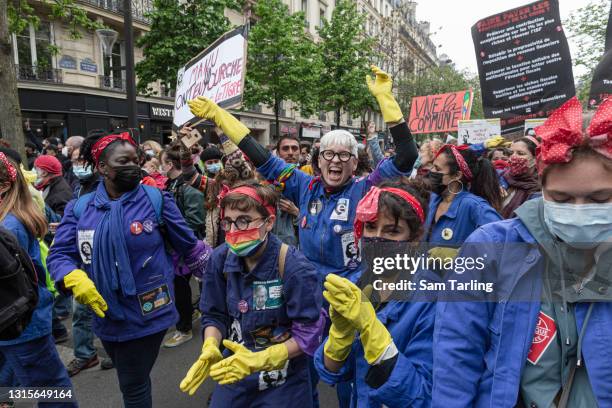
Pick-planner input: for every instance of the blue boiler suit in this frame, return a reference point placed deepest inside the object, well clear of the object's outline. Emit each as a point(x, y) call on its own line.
point(228, 304)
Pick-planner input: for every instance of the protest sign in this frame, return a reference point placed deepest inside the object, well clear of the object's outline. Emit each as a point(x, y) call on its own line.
point(601, 86)
point(217, 73)
point(477, 131)
point(531, 124)
point(439, 113)
point(524, 63)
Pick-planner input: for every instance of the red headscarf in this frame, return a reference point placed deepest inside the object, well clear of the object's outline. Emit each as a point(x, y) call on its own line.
point(103, 143)
point(367, 208)
point(249, 192)
point(562, 133)
point(463, 166)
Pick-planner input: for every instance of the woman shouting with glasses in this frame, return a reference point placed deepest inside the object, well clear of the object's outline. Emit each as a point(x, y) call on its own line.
point(327, 203)
point(261, 299)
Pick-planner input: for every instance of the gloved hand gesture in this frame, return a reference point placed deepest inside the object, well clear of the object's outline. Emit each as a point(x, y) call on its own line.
point(348, 300)
point(85, 291)
point(380, 88)
point(494, 141)
point(245, 362)
point(208, 109)
point(200, 369)
point(341, 337)
point(442, 253)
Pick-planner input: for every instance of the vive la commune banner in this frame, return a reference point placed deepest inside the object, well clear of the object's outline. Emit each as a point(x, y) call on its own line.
point(217, 73)
point(439, 113)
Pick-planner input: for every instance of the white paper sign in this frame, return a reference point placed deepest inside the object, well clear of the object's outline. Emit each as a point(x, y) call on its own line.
point(477, 131)
point(217, 73)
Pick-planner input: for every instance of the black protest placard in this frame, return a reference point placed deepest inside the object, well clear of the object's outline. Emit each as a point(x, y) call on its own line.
point(524, 63)
point(601, 86)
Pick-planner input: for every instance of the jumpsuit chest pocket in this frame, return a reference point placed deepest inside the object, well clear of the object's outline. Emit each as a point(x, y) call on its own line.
point(494, 331)
point(153, 296)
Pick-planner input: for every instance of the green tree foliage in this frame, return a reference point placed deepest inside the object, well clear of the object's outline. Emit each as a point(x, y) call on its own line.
point(282, 63)
point(346, 54)
point(587, 28)
point(179, 31)
point(15, 17)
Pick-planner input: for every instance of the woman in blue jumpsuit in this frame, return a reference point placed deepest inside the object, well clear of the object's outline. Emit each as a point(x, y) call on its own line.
point(327, 203)
point(118, 235)
point(390, 361)
point(31, 359)
point(267, 311)
point(543, 340)
point(466, 195)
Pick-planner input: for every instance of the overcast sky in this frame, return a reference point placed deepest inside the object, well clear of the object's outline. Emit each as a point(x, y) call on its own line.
point(457, 17)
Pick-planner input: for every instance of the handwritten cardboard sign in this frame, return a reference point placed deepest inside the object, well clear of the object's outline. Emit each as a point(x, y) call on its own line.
point(218, 73)
point(439, 113)
point(524, 63)
point(477, 131)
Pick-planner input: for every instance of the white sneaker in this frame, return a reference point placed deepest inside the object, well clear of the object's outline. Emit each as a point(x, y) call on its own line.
point(178, 338)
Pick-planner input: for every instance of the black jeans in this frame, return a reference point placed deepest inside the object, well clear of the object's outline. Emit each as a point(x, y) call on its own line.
point(134, 360)
point(182, 298)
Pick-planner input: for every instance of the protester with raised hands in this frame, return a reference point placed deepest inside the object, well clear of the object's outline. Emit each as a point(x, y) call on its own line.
point(383, 347)
point(327, 203)
point(261, 299)
point(521, 175)
point(30, 359)
point(541, 338)
point(112, 251)
point(465, 195)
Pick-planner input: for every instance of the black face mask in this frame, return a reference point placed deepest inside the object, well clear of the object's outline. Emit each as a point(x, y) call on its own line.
point(435, 182)
point(127, 177)
point(381, 240)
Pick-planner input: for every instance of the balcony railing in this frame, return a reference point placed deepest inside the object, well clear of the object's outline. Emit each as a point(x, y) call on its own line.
point(139, 7)
point(112, 83)
point(38, 74)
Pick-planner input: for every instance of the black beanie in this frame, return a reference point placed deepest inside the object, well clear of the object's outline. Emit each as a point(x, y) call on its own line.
point(211, 153)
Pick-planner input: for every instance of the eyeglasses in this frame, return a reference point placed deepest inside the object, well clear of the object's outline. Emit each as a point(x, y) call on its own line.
point(342, 156)
point(241, 223)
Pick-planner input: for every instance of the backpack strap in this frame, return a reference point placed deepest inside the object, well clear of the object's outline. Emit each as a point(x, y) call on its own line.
point(153, 193)
point(157, 201)
point(81, 203)
point(282, 255)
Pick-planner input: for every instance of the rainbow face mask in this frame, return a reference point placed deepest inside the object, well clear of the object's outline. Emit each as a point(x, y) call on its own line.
point(244, 243)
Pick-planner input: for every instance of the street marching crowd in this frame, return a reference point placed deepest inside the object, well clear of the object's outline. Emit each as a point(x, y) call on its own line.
point(275, 238)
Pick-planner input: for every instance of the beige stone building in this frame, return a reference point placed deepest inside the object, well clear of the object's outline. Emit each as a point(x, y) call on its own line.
point(79, 89)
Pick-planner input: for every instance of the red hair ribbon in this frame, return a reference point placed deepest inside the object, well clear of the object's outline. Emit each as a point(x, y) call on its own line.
point(367, 208)
point(11, 170)
point(463, 166)
point(249, 192)
point(103, 143)
point(562, 133)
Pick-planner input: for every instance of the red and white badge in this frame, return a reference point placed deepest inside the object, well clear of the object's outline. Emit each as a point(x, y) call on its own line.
point(545, 333)
point(136, 228)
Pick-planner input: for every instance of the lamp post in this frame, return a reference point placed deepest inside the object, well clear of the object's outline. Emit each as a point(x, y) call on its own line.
point(107, 38)
point(130, 78)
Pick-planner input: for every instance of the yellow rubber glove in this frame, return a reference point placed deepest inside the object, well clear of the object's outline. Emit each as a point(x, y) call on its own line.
point(494, 141)
point(347, 299)
point(341, 337)
point(443, 253)
point(381, 90)
point(245, 362)
point(206, 108)
point(85, 291)
point(200, 369)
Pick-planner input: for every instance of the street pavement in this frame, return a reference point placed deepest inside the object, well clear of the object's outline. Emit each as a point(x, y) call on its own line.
point(96, 388)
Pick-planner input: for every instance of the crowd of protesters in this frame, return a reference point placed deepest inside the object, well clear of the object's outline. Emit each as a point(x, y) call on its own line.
point(274, 239)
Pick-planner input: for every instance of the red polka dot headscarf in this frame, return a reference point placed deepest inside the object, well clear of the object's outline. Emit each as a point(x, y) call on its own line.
point(562, 133)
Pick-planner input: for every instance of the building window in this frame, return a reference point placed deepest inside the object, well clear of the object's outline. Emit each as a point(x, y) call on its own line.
point(305, 11)
point(321, 15)
point(33, 46)
point(323, 116)
point(113, 75)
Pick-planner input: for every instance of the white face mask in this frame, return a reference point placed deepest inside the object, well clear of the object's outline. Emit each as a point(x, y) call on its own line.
point(65, 151)
point(579, 225)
